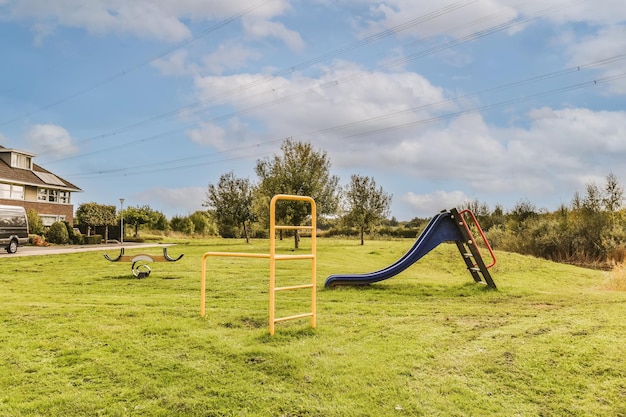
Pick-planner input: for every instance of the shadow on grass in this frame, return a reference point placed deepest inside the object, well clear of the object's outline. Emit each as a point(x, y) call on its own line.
point(466, 289)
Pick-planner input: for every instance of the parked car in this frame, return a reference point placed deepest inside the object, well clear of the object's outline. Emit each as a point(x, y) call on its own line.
point(13, 227)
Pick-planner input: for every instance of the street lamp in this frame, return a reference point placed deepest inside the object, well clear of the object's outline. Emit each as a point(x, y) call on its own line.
point(122, 220)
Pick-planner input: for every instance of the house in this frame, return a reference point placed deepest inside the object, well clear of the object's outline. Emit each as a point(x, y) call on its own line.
point(24, 183)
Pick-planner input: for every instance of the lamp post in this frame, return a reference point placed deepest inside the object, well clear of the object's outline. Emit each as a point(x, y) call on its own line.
point(122, 220)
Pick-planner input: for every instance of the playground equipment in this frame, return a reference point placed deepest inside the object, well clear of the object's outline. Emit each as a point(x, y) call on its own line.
point(140, 267)
point(447, 226)
point(273, 257)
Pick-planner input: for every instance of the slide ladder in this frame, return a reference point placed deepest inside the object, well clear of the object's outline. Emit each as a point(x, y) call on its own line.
point(469, 249)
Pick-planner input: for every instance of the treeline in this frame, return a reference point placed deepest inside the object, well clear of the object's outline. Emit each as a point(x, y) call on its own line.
point(590, 231)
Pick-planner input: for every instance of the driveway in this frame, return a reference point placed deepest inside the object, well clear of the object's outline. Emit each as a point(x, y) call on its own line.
point(113, 248)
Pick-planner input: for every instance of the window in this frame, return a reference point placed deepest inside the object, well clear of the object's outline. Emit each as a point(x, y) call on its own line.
point(12, 191)
point(19, 160)
point(49, 219)
point(64, 197)
point(53, 196)
point(17, 192)
point(5, 190)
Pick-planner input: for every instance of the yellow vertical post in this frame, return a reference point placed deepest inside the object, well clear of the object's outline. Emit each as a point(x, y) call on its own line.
point(203, 287)
point(272, 263)
point(313, 263)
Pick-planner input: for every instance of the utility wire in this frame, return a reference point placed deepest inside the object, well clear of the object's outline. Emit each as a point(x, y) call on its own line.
point(297, 67)
point(148, 168)
point(334, 83)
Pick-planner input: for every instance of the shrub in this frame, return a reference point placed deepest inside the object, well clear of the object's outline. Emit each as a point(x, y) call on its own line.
point(37, 240)
point(57, 233)
point(617, 278)
point(35, 225)
point(93, 240)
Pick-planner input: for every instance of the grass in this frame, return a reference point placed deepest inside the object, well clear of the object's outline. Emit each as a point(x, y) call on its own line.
point(80, 336)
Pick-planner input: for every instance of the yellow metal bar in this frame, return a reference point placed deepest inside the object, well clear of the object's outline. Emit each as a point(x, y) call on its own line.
point(294, 228)
point(297, 316)
point(293, 287)
point(236, 254)
point(293, 257)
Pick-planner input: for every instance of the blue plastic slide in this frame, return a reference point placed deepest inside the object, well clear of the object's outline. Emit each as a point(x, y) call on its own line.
point(441, 228)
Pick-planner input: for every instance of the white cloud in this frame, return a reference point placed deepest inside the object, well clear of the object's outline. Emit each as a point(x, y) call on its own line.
point(148, 19)
point(441, 19)
point(427, 205)
point(51, 140)
point(262, 28)
point(174, 64)
point(229, 56)
point(344, 93)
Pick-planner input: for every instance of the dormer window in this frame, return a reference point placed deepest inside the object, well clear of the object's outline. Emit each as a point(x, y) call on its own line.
point(22, 161)
point(17, 159)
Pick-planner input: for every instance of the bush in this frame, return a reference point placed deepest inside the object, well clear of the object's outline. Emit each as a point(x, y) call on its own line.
point(93, 240)
point(57, 233)
point(37, 240)
point(73, 237)
point(35, 225)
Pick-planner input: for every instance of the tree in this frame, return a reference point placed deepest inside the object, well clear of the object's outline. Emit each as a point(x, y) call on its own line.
point(182, 224)
point(300, 170)
point(202, 223)
point(231, 201)
point(94, 214)
point(137, 216)
point(365, 205)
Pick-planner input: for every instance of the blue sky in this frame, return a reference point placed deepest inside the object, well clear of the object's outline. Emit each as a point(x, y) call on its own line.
point(440, 102)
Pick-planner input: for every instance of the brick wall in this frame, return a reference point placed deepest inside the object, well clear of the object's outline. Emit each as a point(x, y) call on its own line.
point(66, 210)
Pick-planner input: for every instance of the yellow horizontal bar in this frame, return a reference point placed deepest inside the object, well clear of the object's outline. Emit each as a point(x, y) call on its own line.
point(293, 227)
point(290, 257)
point(237, 255)
point(299, 316)
point(293, 287)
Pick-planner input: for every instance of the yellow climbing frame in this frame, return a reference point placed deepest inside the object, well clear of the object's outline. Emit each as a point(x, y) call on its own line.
point(273, 257)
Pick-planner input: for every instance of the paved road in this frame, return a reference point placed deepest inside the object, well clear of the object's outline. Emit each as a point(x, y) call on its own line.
point(113, 249)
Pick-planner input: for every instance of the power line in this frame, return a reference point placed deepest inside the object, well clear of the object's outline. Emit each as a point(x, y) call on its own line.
point(297, 67)
point(332, 84)
point(178, 163)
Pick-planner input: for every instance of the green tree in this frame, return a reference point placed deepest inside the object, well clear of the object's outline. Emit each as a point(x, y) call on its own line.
point(231, 201)
point(137, 216)
point(159, 221)
point(300, 170)
point(182, 224)
point(365, 204)
point(201, 222)
point(94, 214)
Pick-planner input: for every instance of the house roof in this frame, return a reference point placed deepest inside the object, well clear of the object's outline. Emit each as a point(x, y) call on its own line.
point(39, 176)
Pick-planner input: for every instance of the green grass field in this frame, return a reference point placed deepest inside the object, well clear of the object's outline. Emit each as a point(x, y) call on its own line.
point(81, 337)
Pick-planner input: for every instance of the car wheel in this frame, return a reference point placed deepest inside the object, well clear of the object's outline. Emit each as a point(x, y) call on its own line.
point(12, 248)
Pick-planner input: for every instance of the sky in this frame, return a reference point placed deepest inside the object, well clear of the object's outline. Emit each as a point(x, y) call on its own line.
point(440, 102)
